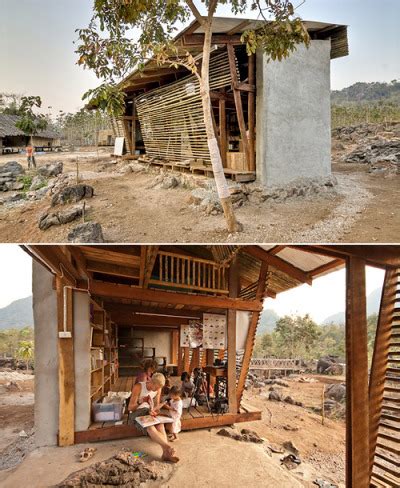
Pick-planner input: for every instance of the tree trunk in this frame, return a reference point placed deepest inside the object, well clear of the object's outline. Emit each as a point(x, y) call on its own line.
point(215, 155)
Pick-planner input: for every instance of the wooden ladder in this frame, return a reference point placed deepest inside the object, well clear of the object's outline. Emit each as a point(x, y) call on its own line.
point(384, 388)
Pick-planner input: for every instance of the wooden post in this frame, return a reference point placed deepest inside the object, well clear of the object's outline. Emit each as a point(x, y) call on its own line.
point(66, 373)
point(180, 361)
point(195, 362)
point(251, 333)
point(231, 344)
point(174, 346)
point(185, 359)
point(380, 359)
point(222, 132)
point(357, 411)
point(251, 113)
point(238, 101)
point(133, 135)
point(210, 357)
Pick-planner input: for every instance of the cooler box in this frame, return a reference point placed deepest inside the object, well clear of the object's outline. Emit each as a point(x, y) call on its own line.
point(105, 412)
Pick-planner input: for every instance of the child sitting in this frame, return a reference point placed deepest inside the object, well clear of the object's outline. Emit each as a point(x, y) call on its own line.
point(187, 384)
point(175, 408)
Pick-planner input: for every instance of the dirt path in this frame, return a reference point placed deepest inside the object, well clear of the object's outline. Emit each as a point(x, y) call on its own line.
point(365, 208)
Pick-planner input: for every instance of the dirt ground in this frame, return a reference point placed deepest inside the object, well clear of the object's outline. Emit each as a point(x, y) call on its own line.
point(364, 208)
point(252, 464)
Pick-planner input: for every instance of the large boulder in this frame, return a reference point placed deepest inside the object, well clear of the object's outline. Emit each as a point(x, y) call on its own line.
point(72, 193)
point(336, 392)
point(50, 169)
point(88, 232)
point(38, 182)
point(49, 219)
point(15, 169)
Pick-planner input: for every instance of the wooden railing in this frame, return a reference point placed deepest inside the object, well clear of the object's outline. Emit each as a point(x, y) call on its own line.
point(277, 364)
point(187, 272)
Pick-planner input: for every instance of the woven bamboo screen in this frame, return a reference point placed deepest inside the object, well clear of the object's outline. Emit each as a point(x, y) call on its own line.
point(171, 117)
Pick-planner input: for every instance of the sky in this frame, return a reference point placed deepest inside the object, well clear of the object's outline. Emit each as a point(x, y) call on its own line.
point(16, 274)
point(37, 52)
point(325, 297)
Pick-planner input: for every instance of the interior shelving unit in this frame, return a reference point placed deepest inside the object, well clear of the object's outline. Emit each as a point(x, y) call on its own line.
point(103, 351)
point(131, 352)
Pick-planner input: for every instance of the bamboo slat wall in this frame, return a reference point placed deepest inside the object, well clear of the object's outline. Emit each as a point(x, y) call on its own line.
point(171, 117)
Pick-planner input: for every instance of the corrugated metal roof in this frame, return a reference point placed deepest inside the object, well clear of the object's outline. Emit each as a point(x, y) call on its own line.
point(8, 129)
point(229, 25)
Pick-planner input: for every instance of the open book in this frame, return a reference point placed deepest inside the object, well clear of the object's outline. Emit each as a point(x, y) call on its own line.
point(148, 420)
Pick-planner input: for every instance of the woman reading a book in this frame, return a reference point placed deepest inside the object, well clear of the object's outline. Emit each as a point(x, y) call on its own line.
point(145, 401)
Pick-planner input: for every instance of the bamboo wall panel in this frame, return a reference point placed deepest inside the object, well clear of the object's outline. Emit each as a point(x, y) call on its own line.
point(171, 117)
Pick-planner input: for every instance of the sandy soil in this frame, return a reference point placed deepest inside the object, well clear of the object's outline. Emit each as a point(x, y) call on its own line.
point(365, 208)
point(199, 450)
point(16, 406)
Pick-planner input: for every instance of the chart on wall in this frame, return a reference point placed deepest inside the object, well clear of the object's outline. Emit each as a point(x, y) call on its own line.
point(185, 341)
point(214, 331)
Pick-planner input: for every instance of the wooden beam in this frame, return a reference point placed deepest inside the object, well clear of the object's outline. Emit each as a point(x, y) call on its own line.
point(222, 131)
point(174, 346)
point(357, 412)
point(379, 255)
point(113, 290)
point(113, 269)
point(198, 39)
point(143, 254)
point(128, 319)
point(380, 359)
point(231, 374)
point(66, 373)
point(180, 360)
point(251, 333)
point(54, 259)
point(140, 309)
point(210, 357)
point(278, 263)
point(335, 264)
point(151, 256)
point(247, 87)
point(251, 113)
point(238, 102)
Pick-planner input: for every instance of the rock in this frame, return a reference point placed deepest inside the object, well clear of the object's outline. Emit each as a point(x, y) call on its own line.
point(87, 232)
point(12, 167)
point(169, 182)
point(72, 193)
point(50, 169)
point(245, 435)
point(290, 447)
point(275, 396)
point(22, 433)
point(38, 182)
point(289, 400)
point(336, 392)
point(15, 185)
point(49, 219)
point(15, 198)
point(290, 461)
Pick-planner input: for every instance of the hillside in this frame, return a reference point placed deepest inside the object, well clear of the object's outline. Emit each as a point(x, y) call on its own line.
point(375, 92)
point(267, 322)
point(17, 314)
point(373, 302)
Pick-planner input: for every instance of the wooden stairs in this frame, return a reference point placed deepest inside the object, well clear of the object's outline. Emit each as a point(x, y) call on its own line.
point(384, 389)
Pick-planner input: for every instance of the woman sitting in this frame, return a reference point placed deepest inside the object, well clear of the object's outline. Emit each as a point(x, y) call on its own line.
point(149, 366)
point(145, 400)
point(187, 385)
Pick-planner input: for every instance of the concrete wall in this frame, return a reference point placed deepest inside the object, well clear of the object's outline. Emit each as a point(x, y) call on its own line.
point(82, 360)
point(293, 116)
point(46, 356)
point(160, 340)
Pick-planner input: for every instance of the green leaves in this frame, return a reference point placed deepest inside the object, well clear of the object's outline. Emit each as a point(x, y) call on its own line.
point(107, 97)
point(29, 122)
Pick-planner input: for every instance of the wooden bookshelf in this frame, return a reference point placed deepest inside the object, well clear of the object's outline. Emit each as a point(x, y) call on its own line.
point(103, 352)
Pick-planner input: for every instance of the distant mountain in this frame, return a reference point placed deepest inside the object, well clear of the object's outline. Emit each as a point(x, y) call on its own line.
point(373, 303)
point(18, 314)
point(268, 321)
point(368, 93)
